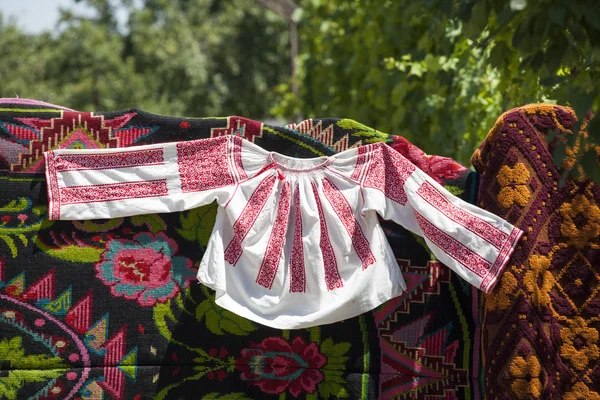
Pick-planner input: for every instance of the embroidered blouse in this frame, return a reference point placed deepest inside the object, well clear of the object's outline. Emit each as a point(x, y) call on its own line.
point(297, 242)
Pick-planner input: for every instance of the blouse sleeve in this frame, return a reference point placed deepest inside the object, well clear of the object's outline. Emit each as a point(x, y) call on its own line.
point(474, 243)
point(118, 182)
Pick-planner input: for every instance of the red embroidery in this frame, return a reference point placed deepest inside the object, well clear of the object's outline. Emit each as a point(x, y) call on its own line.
point(53, 192)
point(203, 164)
point(297, 270)
point(480, 227)
point(270, 262)
point(387, 172)
point(138, 158)
point(360, 163)
point(113, 191)
point(507, 249)
point(455, 249)
point(333, 280)
point(246, 220)
point(237, 158)
point(344, 212)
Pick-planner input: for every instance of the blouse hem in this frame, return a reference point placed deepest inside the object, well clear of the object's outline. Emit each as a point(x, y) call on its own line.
point(229, 304)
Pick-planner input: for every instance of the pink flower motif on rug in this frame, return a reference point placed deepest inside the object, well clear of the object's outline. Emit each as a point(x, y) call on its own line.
point(144, 269)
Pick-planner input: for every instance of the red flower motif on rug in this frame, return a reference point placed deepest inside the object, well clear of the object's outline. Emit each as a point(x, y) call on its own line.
point(275, 365)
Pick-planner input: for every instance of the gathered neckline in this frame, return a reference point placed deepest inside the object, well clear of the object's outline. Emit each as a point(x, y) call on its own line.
point(279, 159)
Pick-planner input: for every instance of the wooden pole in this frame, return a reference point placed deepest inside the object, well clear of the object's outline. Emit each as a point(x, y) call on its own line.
point(286, 8)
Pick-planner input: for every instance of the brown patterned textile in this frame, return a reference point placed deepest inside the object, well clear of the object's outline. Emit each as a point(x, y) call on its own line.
point(540, 326)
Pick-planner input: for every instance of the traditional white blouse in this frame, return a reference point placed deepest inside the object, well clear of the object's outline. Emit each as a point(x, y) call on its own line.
point(297, 242)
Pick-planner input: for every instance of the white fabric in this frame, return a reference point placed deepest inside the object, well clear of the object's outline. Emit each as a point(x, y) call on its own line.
point(355, 273)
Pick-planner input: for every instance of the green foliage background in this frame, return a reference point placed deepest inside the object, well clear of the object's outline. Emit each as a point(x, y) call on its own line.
point(438, 72)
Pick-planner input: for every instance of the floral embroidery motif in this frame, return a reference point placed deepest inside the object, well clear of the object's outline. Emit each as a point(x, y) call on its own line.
point(344, 212)
point(455, 249)
point(74, 162)
point(113, 191)
point(478, 226)
point(270, 262)
point(538, 280)
point(246, 220)
point(333, 280)
point(579, 343)
point(581, 392)
point(297, 270)
point(387, 171)
point(513, 182)
point(526, 377)
point(144, 269)
point(581, 221)
point(501, 298)
point(203, 164)
point(275, 366)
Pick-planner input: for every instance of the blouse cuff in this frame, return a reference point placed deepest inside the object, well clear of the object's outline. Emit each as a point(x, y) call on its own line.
point(491, 279)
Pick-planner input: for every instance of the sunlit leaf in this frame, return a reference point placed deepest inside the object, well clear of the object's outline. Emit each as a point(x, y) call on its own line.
point(518, 5)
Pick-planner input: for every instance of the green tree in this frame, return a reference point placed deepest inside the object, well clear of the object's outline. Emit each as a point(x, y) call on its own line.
point(439, 72)
point(185, 57)
point(24, 58)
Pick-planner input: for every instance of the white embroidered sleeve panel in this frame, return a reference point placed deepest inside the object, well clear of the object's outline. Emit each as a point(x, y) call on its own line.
point(474, 243)
point(109, 183)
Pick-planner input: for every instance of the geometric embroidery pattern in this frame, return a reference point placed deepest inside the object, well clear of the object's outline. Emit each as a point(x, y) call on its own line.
point(268, 268)
point(246, 220)
point(74, 162)
point(360, 162)
point(333, 280)
point(481, 228)
point(203, 164)
point(461, 253)
point(387, 171)
point(113, 191)
point(297, 269)
point(344, 212)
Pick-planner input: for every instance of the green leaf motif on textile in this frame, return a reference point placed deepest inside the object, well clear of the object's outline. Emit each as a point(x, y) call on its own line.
point(18, 218)
point(455, 190)
point(90, 226)
point(332, 387)
point(197, 224)
point(163, 316)
point(371, 135)
point(19, 205)
point(71, 252)
point(221, 321)
point(229, 396)
point(24, 369)
point(154, 222)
